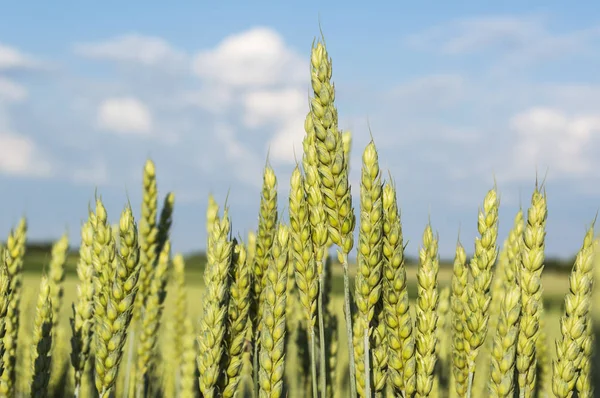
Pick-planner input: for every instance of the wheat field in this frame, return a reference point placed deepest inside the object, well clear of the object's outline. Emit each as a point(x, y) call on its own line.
point(285, 310)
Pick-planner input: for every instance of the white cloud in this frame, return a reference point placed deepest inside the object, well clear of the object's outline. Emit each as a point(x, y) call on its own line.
point(286, 145)
point(124, 115)
point(11, 91)
point(267, 106)
point(145, 50)
point(549, 138)
point(257, 57)
point(11, 58)
point(21, 157)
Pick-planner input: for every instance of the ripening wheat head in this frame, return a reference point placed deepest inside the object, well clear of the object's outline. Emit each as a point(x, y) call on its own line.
point(530, 280)
point(368, 277)
point(214, 318)
point(574, 323)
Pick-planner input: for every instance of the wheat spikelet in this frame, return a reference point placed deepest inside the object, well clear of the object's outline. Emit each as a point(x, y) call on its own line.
point(460, 278)
point(426, 312)
point(213, 324)
point(401, 344)
point(188, 380)
point(272, 335)
point(181, 313)
point(118, 297)
point(544, 361)
point(148, 232)
point(570, 348)
point(303, 263)
point(151, 317)
point(164, 222)
point(57, 275)
point(212, 215)
point(513, 253)
point(504, 345)
point(443, 340)
point(83, 309)
point(267, 223)
point(530, 273)
point(481, 267)
point(14, 252)
point(368, 284)
point(332, 176)
point(42, 341)
point(4, 300)
point(239, 316)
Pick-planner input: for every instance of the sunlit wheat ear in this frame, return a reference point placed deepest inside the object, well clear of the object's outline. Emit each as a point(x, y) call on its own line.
point(116, 303)
point(188, 367)
point(504, 346)
point(458, 306)
point(324, 153)
point(212, 213)
point(14, 252)
point(368, 284)
point(148, 232)
point(426, 312)
point(214, 319)
point(443, 339)
point(151, 318)
point(530, 273)
point(56, 275)
point(272, 335)
point(181, 313)
point(83, 308)
point(303, 264)
point(515, 242)
point(571, 347)
point(240, 293)
point(267, 222)
point(4, 300)
point(481, 267)
point(395, 293)
point(401, 342)
point(42, 342)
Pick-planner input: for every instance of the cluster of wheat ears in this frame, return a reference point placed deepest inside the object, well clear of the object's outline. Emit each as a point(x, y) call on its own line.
point(260, 293)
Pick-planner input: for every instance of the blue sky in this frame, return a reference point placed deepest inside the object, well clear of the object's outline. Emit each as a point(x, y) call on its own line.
point(455, 97)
